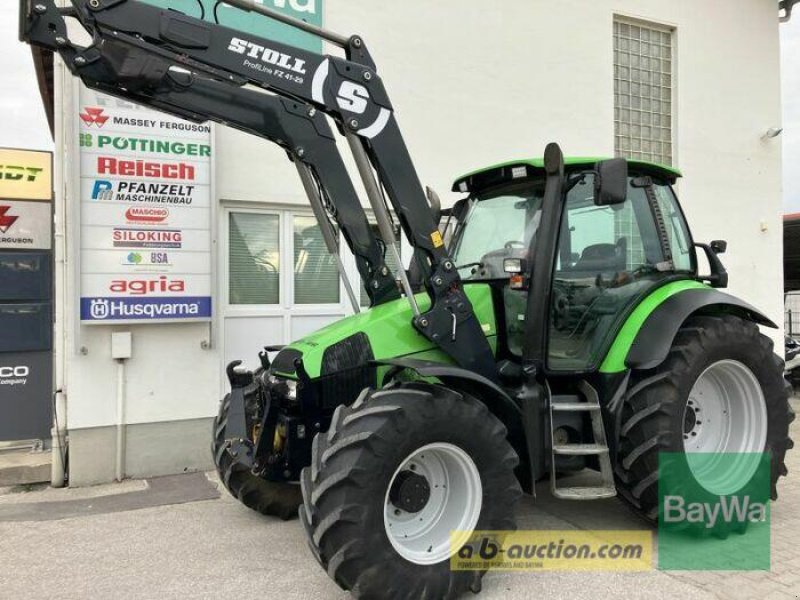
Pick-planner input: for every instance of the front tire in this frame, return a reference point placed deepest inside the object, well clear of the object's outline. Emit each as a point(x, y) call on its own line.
point(720, 390)
point(270, 498)
point(375, 511)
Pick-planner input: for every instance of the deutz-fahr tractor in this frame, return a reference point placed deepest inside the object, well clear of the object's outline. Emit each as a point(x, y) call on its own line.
point(553, 321)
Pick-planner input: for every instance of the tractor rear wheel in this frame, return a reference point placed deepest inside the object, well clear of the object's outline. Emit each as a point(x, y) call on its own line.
point(720, 391)
point(395, 474)
point(266, 497)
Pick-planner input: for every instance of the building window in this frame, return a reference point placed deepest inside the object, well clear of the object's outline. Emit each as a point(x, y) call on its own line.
point(643, 93)
point(254, 258)
point(316, 277)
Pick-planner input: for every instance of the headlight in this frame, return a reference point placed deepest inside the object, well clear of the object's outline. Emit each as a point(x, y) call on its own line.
point(285, 388)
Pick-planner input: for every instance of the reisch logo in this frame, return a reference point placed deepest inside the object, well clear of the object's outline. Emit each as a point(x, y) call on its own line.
point(6, 221)
point(94, 116)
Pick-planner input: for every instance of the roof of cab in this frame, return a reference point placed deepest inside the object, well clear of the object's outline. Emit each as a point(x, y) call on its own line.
point(465, 182)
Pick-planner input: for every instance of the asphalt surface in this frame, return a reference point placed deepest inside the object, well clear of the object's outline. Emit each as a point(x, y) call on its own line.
point(189, 547)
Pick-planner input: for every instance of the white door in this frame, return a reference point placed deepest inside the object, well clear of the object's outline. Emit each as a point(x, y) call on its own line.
point(279, 282)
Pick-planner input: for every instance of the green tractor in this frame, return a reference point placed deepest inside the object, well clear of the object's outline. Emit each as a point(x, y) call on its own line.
point(558, 323)
point(609, 348)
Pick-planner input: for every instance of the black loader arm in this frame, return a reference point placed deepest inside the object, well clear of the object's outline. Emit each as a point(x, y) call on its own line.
point(297, 127)
point(347, 89)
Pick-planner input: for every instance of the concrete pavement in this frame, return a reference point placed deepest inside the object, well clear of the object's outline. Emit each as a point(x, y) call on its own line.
point(216, 548)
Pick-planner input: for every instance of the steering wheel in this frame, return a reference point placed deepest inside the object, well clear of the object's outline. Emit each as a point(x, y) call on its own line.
point(514, 244)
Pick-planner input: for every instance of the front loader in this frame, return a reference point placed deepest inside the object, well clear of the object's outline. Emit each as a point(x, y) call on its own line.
point(566, 326)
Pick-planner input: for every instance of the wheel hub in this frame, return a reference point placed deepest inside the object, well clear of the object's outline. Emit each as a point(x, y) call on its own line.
point(410, 492)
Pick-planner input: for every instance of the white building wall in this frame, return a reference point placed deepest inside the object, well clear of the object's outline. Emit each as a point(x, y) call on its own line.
point(474, 83)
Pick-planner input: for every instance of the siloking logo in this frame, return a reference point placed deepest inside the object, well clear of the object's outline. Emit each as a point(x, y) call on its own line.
point(150, 216)
point(94, 116)
point(144, 287)
point(6, 220)
point(148, 238)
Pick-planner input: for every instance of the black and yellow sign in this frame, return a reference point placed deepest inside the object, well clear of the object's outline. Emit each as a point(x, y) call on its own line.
point(26, 175)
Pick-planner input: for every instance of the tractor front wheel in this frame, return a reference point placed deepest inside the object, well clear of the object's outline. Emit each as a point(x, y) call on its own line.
point(271, 498)
point(395, 475)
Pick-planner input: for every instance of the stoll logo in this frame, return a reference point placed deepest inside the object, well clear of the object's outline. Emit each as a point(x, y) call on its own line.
point(12, 376)
point(150, 216)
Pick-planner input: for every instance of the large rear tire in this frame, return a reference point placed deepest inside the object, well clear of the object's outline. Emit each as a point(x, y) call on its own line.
point(395, 473)
point(266, 497)
point(720, 390)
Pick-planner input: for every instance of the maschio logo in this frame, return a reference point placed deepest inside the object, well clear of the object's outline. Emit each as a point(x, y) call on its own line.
point(94, 116)
point(148, 238)
point(6, 220)
point(146, 215)
point(140, 168)
point(143, 287)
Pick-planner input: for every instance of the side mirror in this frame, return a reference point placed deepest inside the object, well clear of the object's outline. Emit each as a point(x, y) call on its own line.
point(719, 246)
point(611, 182)
point(436, 204)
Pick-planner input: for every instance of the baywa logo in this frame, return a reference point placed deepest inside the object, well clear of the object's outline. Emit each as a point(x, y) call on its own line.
point(94, 116)
point(727, 509)
point(6, 220)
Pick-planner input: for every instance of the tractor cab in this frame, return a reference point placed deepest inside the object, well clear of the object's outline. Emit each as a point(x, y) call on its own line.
point(608, 254)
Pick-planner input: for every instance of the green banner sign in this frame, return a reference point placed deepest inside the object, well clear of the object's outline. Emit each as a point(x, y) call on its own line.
point(250, 22)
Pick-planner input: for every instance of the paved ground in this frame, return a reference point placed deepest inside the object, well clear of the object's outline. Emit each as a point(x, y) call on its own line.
point(193, 548)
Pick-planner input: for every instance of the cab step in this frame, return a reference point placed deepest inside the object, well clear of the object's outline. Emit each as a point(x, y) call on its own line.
point(605, 488)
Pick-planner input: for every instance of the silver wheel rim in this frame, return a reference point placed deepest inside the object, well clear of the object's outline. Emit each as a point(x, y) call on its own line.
point(456, 497)
point(725, 427)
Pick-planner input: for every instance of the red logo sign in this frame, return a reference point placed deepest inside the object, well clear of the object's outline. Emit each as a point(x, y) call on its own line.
point(145, 287)
point(147, 215)
point(6, 221)
point(94, 116)
point(144, 169)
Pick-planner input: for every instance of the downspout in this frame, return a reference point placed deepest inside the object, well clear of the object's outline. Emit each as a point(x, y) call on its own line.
point(61, 294)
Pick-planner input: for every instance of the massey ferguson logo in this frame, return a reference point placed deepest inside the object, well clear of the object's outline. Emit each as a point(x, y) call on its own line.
point(6, 220)
point(94, 116)
point(147, 215)
point(268, 56)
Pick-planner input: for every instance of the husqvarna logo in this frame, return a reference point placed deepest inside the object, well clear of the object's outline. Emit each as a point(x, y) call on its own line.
point(100, 309)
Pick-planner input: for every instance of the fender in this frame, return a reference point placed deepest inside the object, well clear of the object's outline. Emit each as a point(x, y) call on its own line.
point(462, 380)
point(654, 339)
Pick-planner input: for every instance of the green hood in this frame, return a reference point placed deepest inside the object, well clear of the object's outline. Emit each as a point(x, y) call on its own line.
point(389, 330)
